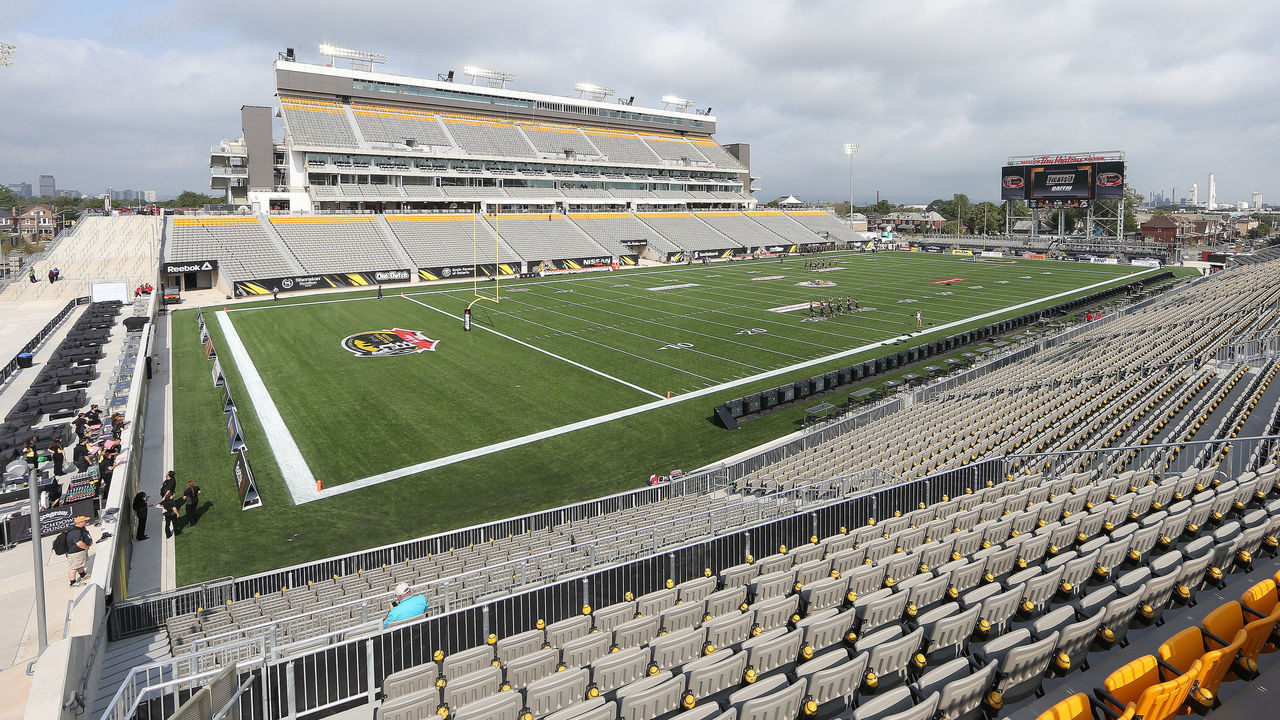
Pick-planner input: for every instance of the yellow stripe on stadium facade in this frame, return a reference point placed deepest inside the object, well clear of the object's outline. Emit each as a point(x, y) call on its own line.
point(319, 219)
point(718, 214)
point(807, 212)
point(445, 217)
point(763, 213)
point(544, 217)
point(200, 222)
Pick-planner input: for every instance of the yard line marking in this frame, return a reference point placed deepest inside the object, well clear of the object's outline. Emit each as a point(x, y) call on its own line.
point(544, 352)
point(293, 467)
point(620, 414)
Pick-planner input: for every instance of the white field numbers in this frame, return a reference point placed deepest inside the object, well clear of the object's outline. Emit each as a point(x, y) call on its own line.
point(751, 331)
point(677, 346)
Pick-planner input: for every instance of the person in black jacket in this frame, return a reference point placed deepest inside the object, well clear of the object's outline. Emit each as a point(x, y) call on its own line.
point(140, 508)
point(80, 456)
point(169, 485)
point(170, 508)
point(80, 422)
point(191, 497)
point(55, 454)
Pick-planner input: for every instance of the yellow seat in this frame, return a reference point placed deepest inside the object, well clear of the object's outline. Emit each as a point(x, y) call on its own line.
point(1228, 619)
point(1185, 648)
point(1262, 602)
point(1142, 684)
point(1080, 707)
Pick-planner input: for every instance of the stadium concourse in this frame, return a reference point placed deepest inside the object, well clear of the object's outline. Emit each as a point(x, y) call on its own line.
point(818, 580)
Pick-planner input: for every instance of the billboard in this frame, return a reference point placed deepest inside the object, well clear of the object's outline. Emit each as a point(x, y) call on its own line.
point(1070, 184)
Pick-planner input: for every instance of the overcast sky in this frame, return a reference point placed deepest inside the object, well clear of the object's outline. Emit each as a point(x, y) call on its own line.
point(937, 92)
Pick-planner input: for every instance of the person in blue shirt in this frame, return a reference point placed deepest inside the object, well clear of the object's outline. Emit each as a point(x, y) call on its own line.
point(405, 606)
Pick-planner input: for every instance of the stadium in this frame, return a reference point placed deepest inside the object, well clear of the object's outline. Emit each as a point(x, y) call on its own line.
point(645, 447)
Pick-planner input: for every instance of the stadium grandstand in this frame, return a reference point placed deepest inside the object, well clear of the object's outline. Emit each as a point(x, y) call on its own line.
point(1080, 519)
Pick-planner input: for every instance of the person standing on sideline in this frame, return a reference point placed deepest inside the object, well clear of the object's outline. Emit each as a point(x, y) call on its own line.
point(405, 606)
point(919, 320)
point(275, 293)
point(78, 542)
point(170, 508)
point(191, 498)
point(140, 508)
point(379, 292)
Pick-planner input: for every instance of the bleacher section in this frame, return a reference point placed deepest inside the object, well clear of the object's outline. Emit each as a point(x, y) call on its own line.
point(788, 229)
point(444, 240)
point(741, 228)
point(337, 244)
point(1145, 369)
point(545, 237)
point(100, 249)
point(395, 125)
point(241, 246)
point(821, 221)
point(673, 148)
point(611, 230)
point(488, 138)
point(556, 139)
point(623, 148)
point(687, 232)
point(322, 123)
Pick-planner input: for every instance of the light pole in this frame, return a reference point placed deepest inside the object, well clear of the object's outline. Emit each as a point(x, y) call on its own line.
point(851, 149)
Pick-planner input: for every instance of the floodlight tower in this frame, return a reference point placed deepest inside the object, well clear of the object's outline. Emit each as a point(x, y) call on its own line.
point(851, 149)
point(492, 78)
point(6, 54)
point(360, 59)
point(675, 102)
point(595, 92)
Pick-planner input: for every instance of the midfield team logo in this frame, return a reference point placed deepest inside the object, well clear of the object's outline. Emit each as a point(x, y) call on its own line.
point(388, 343)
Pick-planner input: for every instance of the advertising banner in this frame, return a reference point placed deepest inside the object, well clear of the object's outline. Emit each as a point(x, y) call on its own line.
point(447, 272)
point(235, 436)
point(52, 521)
point(245, 484)
point(311, 282)
point(189, 266)
point(217, 373)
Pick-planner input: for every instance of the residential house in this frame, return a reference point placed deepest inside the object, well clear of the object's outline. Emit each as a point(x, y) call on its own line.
point(1163, 230)
point(39, 222)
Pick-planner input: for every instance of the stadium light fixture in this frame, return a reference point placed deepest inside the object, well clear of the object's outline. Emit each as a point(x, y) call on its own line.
point(594, 91)
point(492, 78)
point(851, 149)
point(6, 54)
point(675, 101)
point(360, 59)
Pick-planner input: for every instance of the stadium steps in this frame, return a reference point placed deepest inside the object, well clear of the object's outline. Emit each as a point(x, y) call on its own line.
point(119, 659)
point(278, 241)
point(398, 249)
point(361, 141)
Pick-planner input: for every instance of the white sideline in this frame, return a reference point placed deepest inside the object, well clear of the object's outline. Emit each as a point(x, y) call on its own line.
point(301, 482)
point(293, 467)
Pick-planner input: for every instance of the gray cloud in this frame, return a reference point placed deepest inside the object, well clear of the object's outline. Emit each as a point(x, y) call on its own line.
point(938, 92)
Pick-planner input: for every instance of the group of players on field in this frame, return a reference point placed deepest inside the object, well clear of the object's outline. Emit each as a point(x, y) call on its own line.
point(834, 306)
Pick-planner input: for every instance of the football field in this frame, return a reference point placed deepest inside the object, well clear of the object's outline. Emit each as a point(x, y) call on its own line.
point(573, 385)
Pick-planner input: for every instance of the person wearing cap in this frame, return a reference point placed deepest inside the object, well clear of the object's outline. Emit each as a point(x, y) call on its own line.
point(405, 606)
point(78, 542)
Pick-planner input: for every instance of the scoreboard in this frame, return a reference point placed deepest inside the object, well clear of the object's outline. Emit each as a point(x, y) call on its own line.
point(1061, 182)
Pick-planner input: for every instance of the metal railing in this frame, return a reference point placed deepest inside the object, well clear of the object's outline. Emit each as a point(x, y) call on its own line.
point(470, 587)
point(331, 669)
point(1249, 350)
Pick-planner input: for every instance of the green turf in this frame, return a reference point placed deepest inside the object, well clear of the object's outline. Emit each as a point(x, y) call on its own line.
point(354, 416)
